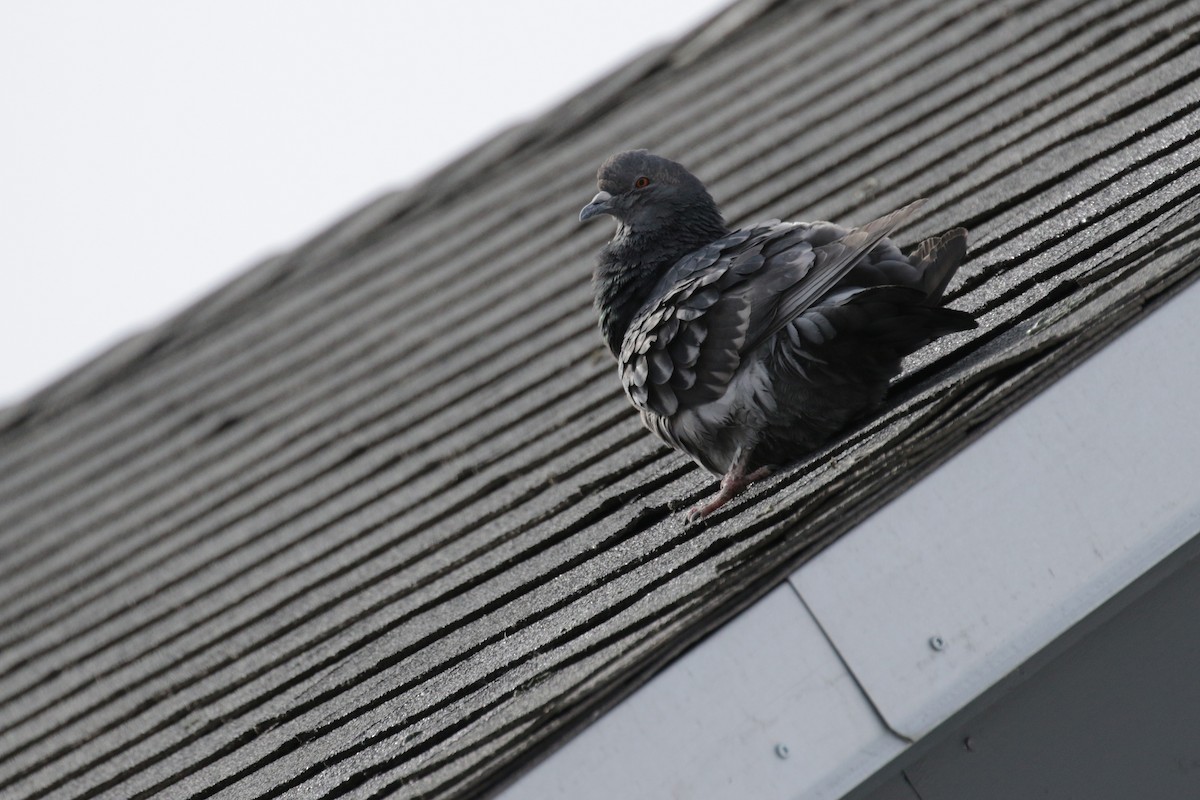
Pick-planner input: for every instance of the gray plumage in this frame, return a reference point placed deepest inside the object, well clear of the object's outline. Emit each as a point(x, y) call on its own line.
point(748, 349)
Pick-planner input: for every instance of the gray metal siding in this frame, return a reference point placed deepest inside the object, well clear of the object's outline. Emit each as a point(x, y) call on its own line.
point(1116, 716)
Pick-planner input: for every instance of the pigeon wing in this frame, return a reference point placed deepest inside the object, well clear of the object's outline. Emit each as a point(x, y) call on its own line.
point(832, 262)
point(684, 347)
point(686, 344)
point(725, 300)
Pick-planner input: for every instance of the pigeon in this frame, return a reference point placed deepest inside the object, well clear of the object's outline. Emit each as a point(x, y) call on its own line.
point(749, 349)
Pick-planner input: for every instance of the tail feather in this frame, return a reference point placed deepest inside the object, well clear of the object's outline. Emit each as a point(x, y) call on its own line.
point(938, 258)
point(898, 315)
point(832, 262)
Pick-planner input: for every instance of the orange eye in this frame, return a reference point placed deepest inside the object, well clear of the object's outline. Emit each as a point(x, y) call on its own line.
point(641, 183)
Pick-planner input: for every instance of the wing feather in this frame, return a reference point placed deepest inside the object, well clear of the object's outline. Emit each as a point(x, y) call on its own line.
point(725, 300)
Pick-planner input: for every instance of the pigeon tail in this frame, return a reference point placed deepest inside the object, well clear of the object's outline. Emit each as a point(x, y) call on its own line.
point(938, 258)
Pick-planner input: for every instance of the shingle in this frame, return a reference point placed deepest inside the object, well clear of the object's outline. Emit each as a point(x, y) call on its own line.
point(375, 517)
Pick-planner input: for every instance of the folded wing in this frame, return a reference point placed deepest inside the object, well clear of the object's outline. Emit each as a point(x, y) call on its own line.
point(724, 301)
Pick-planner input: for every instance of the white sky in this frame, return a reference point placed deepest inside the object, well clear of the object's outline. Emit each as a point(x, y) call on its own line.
point(150, 150)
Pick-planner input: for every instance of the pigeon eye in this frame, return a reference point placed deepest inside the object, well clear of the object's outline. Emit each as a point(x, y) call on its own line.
point(641, 183)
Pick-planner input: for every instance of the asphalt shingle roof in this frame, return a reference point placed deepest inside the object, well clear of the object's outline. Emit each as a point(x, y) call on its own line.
point(375, 518)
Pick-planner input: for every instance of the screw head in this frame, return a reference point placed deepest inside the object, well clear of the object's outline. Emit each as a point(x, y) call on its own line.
point(782, 750)
point(937, 643)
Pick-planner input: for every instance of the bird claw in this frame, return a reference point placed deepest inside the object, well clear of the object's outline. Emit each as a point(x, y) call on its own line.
point(702, 510)
point(731, 485)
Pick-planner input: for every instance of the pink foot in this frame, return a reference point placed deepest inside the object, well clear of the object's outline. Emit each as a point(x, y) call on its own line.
point(731, 485)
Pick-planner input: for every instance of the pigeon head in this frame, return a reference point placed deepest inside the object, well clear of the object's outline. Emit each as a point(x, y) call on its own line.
point(650, 195)
point(663, 212)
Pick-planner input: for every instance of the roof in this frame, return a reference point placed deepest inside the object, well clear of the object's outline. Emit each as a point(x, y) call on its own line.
point(376, 518)
point(945, 610)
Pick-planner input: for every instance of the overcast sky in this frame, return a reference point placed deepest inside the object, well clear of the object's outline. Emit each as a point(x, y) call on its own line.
point(151, 150)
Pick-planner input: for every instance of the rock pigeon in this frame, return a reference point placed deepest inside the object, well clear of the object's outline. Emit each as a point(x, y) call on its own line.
point(748, 349)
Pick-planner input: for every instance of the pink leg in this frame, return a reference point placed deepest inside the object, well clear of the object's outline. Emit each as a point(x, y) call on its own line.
point(733, 482)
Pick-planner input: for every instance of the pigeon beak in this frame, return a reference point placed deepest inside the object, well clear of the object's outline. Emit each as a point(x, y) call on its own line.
point(598, 206)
